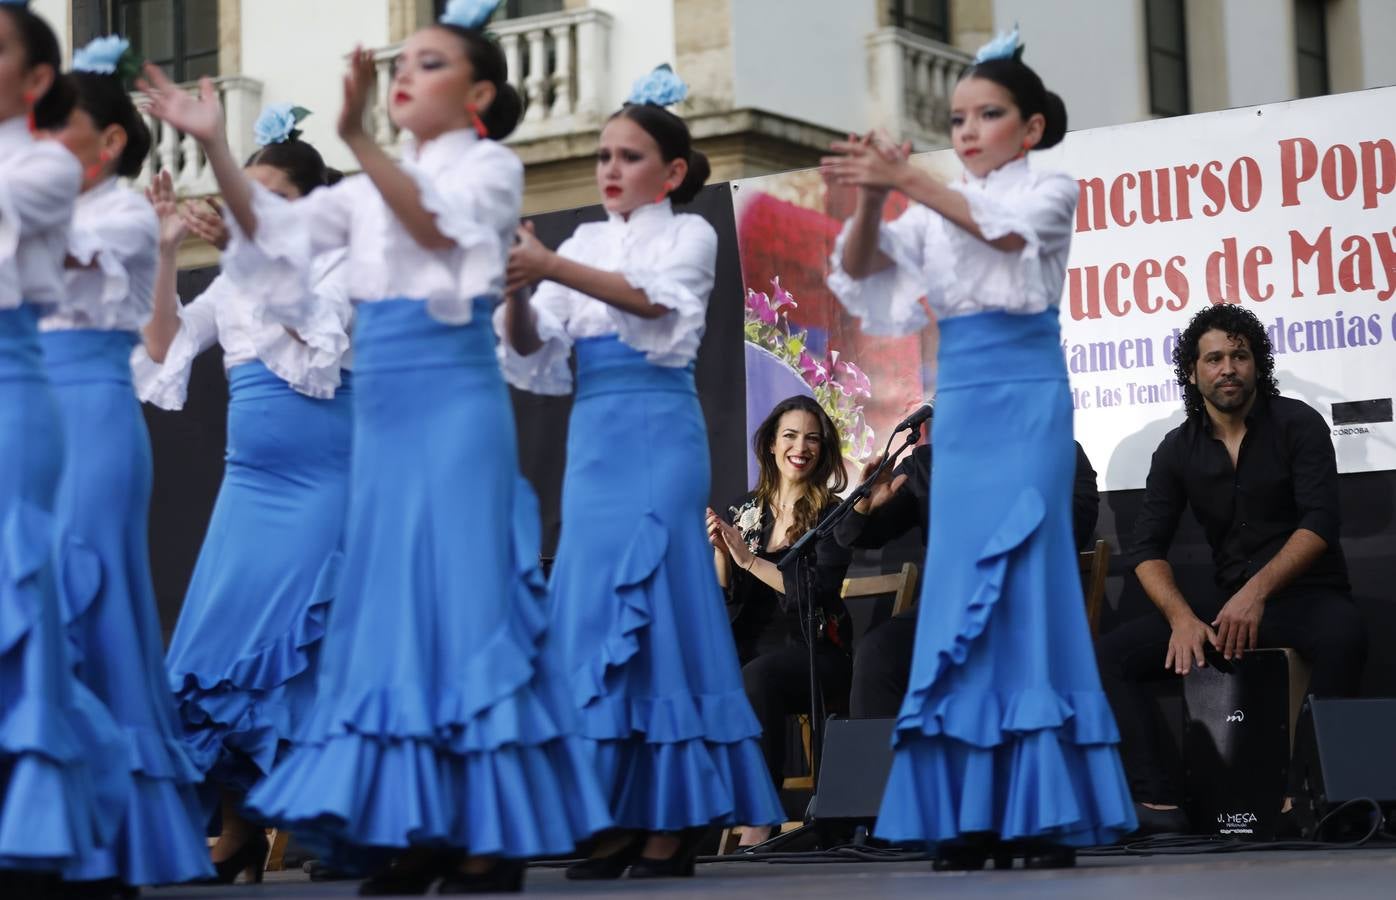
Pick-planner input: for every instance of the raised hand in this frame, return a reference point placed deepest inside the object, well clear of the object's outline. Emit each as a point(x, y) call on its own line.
point(869, 162)
point(203, 218)
point(359, 83)
point(528, 260)
point(199, 115)
point(882, 490)
point(161, 195)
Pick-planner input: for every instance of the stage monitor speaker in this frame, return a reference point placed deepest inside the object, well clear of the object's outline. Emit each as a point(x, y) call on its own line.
point(853, 770)
point(1236, 743)
point(1344, 750)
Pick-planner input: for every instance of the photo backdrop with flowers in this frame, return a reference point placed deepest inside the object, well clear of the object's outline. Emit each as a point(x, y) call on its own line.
point(798, 337)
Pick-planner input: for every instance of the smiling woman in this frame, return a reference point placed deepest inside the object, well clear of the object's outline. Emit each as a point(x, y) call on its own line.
point(801, 472)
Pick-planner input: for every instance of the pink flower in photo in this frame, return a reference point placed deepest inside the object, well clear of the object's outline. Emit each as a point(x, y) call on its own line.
point(760, 305)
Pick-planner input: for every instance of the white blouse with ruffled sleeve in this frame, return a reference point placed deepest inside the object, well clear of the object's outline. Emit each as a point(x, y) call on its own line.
point(473, 187)
point(114, 240)
point(39, 185)
point(960, 274)
point(250, 328)
point(670, 256)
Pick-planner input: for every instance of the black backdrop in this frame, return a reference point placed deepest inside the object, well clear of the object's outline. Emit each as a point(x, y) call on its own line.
point(188, 451)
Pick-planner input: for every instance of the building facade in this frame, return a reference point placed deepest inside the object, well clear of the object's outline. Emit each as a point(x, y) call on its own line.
point(772, 81)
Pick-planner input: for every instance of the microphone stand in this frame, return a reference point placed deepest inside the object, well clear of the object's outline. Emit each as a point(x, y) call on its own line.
point(799, 556)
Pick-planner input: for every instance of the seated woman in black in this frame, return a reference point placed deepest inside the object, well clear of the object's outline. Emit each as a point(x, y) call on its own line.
point(801, 473)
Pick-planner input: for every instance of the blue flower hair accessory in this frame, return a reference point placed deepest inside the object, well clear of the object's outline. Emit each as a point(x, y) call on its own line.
point(469, 14)
point(1005, 45)
point(110, 55)
point(661, 88)
point(277, 124)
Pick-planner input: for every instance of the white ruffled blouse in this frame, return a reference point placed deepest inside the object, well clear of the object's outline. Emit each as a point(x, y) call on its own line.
point(250, 327)
point(115, 239)
point(39, 184)
point(958, 273)
point(670, 256)
point(474, 188)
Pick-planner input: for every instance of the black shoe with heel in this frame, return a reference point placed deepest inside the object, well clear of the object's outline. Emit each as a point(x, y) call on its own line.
point(410, 875)
point(251, 858)
point(679, 864)
point(969, 854)
point(613, 865)
point(506, 876)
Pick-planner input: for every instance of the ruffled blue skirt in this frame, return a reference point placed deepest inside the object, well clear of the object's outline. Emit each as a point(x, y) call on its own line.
point(638, 619)
point(104, 499)
point(61, 794)
point(1004, 728)
point(242, 658)
point(436, 721)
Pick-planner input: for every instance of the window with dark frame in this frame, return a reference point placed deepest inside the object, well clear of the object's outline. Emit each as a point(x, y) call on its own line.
point(1311, 47)
point(928, 18)
point(1166, 35)
point(179, 36)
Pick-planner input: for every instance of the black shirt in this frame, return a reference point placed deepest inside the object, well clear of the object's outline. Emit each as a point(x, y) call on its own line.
point(1285, 478)
point(763, 619)
point(909, 507)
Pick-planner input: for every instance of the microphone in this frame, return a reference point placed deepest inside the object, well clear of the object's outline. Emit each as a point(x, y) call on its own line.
point(917, 418)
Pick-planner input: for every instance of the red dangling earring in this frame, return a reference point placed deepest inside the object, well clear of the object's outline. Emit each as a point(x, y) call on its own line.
point(94, 170)
point(29, 100)
point(663, 194)
point(1027, 145)
point(476, 122)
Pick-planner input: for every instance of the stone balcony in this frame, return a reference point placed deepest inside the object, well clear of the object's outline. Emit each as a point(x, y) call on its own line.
point(910, 79)
point(558, 62)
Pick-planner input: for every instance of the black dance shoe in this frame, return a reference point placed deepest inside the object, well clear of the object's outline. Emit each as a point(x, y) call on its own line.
point(605, 868)
point(679, 864)
point(1160, 821)
point(969, 853)
point(251, 858)
point(505, 877)
point(1043, 855)
point(103, 889)
point(410, 875)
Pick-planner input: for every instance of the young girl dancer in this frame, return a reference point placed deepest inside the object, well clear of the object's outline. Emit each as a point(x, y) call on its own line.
point(435, 727)
point(242, 658)
point(1005, 744)
point(63, 781)
point(637, 616)
point(104, 496)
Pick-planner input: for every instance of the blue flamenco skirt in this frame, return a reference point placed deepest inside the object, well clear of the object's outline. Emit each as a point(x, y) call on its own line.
point(112, 625)
point(1004, 728)
point(437, 722)
point(638, 619)
point(242, 659)
point(61, 793)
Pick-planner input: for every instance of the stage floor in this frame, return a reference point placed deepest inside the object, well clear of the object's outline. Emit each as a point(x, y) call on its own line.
point(1270, 874)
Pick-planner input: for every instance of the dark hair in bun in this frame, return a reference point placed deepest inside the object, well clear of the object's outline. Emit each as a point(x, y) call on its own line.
point(301, 162)
point(1029, 94)
point(104, 98)
point(487, 60)
point(41, 49)
point(672, 135)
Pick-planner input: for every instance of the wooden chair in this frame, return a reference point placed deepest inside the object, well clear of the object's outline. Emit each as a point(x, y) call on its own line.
point(1095, 564)
point(900, 585)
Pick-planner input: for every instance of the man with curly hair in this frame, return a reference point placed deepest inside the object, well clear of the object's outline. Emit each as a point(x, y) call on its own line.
point(1259, 472)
